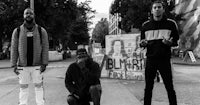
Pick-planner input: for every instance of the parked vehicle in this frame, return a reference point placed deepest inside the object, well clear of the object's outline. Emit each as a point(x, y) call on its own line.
point(5, 54)
point(67, 53)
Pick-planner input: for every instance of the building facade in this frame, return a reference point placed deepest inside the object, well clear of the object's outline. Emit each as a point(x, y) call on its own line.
point(113, 24)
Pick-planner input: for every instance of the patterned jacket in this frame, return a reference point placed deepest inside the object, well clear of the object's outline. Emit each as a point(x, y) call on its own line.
point(19, 47)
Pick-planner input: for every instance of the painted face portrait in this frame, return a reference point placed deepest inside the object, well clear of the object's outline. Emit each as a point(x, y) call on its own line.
point(117, 47)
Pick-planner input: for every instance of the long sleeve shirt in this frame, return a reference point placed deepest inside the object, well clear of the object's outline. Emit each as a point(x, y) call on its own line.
point(154, 32)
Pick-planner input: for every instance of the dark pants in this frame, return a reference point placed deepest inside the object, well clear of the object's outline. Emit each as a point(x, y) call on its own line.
point(164, 67)
point(95, 95)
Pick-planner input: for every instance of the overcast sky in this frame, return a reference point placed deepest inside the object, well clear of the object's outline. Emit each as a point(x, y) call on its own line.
point(101, 7)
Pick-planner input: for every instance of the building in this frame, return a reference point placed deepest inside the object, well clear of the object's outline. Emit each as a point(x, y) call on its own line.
point(113, 23)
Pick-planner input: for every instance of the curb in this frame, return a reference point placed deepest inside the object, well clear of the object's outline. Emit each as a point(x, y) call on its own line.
point(180, 61)
point(47, 67)
point(57, 66)
point(8, 78)
point(187, 63)
point(5, 67)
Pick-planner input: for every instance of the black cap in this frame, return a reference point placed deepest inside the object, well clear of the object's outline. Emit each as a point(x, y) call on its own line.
point(81, 53)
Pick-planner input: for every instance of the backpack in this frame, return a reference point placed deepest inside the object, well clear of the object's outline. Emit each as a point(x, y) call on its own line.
point(39, 29)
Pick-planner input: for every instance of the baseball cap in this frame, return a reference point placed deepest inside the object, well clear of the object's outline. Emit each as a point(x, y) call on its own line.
point(81, 53)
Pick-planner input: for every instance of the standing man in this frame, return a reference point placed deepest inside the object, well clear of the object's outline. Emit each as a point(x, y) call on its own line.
point(158, 35)
point(83, 80)
point(29, 56)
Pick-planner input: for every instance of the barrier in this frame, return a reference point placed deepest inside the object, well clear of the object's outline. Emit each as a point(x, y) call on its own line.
point(55, 56)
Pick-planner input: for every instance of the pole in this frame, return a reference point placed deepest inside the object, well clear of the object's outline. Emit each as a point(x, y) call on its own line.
point(32, 4)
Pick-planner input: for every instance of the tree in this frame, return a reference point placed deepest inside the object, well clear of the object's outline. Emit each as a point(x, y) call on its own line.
point(57, 17)
point(60, 18)
point(70, 20)
point(100, 31)
point(135, 12)
point(85, 15)
point(10, 18)
point(132, 12)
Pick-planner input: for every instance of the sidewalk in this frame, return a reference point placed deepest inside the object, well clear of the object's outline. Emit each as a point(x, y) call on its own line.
point(4, 64)
point(177, 60)
point(114, 93)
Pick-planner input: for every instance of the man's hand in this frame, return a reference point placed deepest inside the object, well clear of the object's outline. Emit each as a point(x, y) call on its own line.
point(167, 42)
point(42, 68)
point(16, 71)
point(143, 43)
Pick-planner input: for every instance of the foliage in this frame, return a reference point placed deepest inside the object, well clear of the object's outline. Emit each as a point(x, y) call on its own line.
point(67, 21)
point(134, 12)
point(64, 20)
point(80, 28)
point(100, 31)
point(12, 17)
point(57, 17)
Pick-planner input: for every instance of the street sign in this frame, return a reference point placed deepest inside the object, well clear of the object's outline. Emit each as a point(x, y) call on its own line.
point(3, 7)
point(189, 54)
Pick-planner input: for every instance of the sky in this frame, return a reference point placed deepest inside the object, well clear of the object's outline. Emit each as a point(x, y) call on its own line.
point(101, 7)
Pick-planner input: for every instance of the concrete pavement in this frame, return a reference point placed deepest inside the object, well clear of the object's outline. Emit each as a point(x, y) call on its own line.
point(113, 92)
point(186, 84)
point(4, 64)
point(178, 61)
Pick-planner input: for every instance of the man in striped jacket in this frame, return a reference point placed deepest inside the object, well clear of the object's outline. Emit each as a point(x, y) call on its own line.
point(29, 56)
point(158, 35)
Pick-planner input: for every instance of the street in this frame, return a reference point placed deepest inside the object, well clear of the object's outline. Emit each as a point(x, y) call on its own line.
point(124, 37)
point(186, 84)
point(115, 92)
point(55, 92)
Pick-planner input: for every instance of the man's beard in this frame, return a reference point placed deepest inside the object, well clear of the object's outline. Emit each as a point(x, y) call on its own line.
point(158, 16)
point(29, 21)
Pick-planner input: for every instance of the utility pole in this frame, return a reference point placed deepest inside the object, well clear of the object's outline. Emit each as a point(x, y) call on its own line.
point(32, 4)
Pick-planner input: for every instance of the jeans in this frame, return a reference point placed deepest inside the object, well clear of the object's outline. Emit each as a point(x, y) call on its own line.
point(26, 76)
point(94, 92)
point(164, 67)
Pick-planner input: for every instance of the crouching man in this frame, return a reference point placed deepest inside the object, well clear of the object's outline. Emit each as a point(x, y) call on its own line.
point(83, 80)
